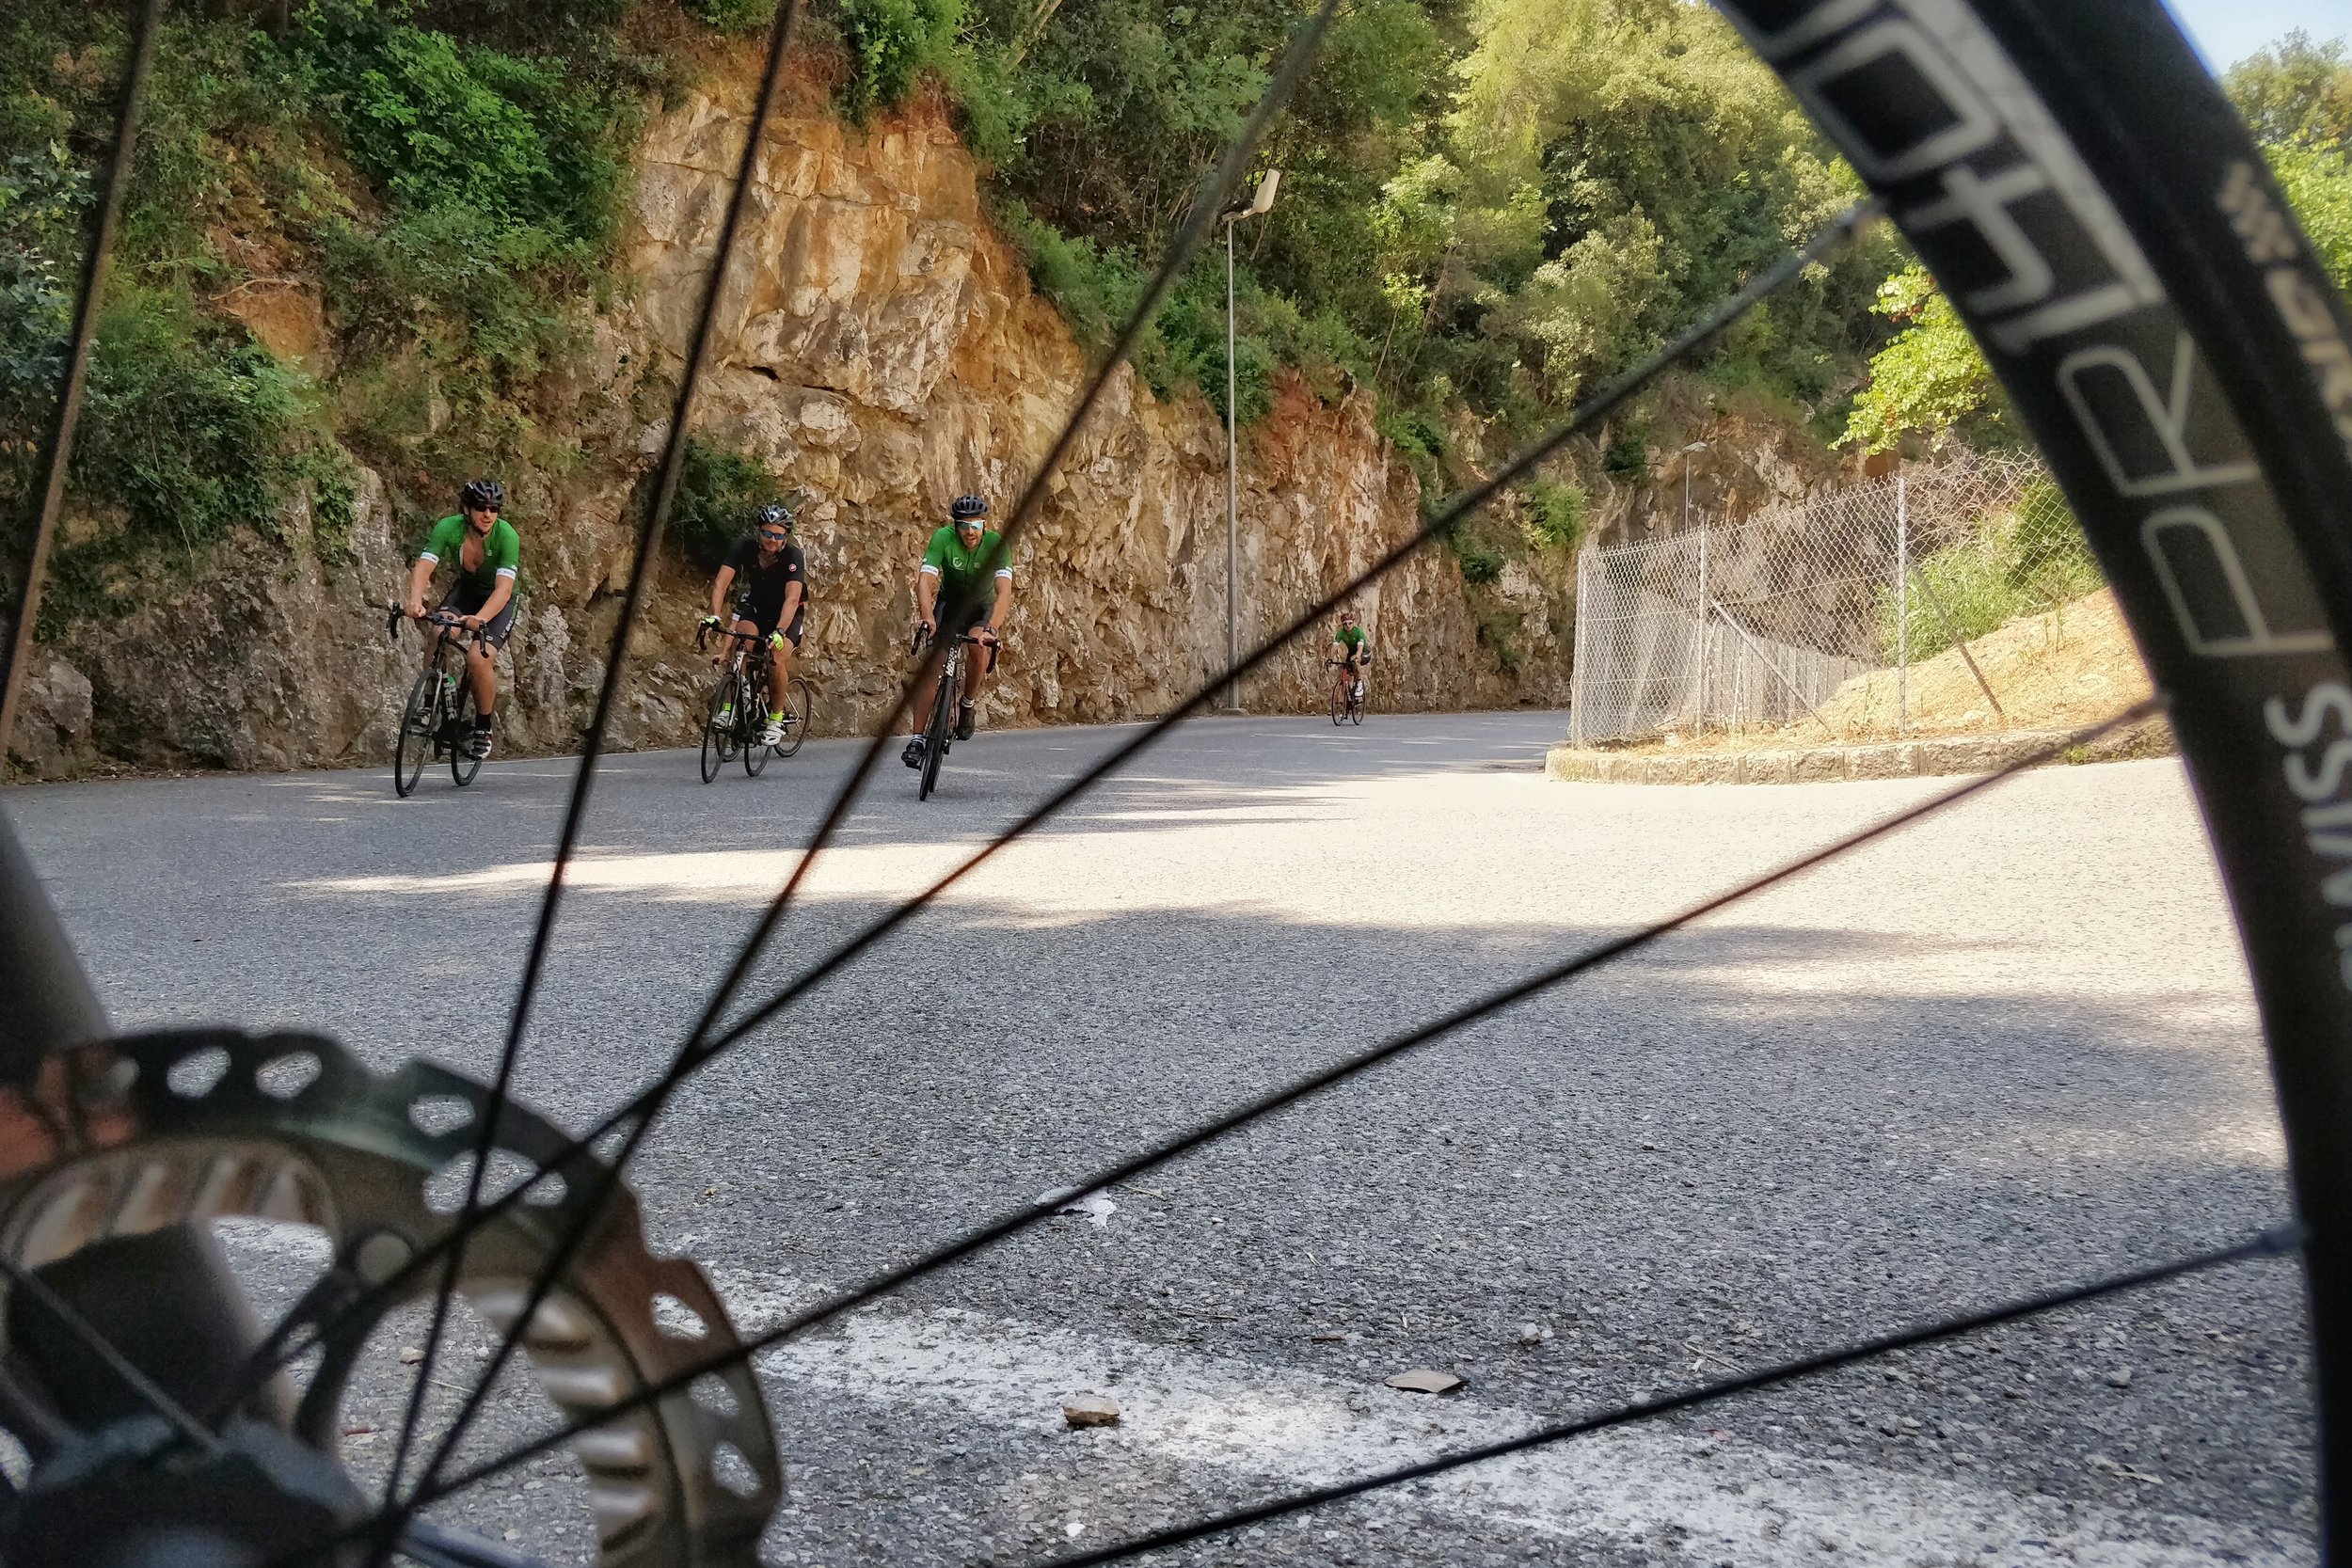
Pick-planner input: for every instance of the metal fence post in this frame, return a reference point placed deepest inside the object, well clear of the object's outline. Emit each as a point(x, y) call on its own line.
point(1580, 677)
point(1902, 603)
point(1698, 644)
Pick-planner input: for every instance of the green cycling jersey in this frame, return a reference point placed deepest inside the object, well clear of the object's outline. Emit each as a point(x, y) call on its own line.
point(502, 553)
point(1352, 638)
point(967, 576)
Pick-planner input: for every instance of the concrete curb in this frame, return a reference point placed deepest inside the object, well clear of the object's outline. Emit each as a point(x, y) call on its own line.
point(1900, 759)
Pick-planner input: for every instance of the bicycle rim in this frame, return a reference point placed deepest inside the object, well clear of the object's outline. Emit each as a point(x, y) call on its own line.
point(463, 763)
point(935, 735)
point(797, 707)
point(2142, 245)
point(414, 745)
point(714, 755)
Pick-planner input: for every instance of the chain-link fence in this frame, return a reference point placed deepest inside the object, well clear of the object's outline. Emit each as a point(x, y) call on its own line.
point(1761, 623)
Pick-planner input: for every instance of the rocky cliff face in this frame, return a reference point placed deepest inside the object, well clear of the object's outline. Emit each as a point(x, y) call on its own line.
point(880, 348)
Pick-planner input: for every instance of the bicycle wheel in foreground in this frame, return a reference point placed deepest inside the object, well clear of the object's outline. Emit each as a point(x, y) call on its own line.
point(797, 707)
point(418, 718)
point(2105, 225)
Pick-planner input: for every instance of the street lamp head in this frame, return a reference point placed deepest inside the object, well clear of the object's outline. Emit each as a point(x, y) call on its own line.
point(1267, 185)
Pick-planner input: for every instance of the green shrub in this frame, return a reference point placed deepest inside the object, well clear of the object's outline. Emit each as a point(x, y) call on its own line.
point(1481, 562)
point(718, 490)
point(1558, 521)
point(2026, 561)
point(44, 198)
point(187, 424)
point(1628, 456)
point(733, 16)
point(436, 124)
point(890, 45)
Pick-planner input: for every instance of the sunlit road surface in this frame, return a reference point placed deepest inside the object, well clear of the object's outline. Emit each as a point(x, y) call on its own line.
point(2010, 1051)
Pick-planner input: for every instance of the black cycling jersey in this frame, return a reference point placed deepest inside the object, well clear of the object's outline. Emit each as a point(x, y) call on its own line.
point(759, 589)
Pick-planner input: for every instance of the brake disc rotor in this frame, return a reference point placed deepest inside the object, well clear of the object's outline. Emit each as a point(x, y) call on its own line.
point(132, 1136)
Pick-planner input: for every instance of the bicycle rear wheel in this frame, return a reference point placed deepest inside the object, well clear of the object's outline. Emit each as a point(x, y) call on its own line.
point(718, 737)
point(797, 705)
point(1355, 708)
point(942, 726)
point(463, 763)
point(413, 748)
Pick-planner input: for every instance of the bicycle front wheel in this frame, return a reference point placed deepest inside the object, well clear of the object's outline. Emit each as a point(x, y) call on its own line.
point(419, 718)
point(1339, 704)
point(463, 763)
point(798, 702)
point(942, 725)
point(718, 733)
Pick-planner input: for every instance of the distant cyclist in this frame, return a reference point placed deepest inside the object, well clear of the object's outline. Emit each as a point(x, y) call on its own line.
point(964, 584)
point(768, 579)
point(487, 552)
point(1351, 649)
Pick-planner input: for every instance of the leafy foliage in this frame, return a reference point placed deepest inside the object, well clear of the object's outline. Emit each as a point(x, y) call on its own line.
point(1933, 377)
point(2025, 561)
point(1558, 513)
point(719, 488)
point(1931, 380)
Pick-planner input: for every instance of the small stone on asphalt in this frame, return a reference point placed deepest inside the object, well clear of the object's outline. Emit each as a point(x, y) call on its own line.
point(1424, 1380)
point(1089, 1410)
point(2120, 1377)
point(410, 1355)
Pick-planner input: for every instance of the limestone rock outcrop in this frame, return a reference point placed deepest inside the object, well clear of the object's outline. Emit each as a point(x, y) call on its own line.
point(881, 348)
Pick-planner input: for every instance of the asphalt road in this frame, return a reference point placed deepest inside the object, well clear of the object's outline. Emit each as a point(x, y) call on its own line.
point(2011, 1050)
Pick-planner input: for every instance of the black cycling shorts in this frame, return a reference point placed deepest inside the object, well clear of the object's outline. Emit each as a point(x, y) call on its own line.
point(465, 601)
point(746, 611)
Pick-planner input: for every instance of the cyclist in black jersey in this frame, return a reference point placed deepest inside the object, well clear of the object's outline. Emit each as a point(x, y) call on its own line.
point(767, 578)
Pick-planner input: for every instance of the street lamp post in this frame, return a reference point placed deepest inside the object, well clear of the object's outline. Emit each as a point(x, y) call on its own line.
point(1262, 200)
point(1687, 453)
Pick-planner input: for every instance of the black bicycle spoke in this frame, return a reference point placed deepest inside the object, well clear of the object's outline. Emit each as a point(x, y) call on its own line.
point(1610, 397)
point(2276, 1242)
point(584, 779)
point(57, 454)
point(988, 1234)
point(1298, 57)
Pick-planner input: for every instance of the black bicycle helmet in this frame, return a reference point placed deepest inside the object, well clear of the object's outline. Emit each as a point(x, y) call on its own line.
point(772, 514)
point(965, 508)
point(482, 495)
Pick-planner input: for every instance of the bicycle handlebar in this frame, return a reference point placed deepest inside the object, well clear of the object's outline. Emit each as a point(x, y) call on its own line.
point(448, 620)
point(702, 632)
point(920, 641)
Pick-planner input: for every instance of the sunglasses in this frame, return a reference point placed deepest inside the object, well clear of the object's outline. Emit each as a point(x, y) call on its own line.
point(777, 538)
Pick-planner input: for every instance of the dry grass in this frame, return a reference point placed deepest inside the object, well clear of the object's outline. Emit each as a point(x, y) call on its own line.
point(2070, 668)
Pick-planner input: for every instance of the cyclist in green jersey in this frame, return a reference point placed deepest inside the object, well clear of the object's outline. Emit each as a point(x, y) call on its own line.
point(487, 552)
point(1352, 648)
point(964, 584)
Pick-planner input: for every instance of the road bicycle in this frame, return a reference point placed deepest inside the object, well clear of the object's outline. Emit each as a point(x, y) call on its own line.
point(2108, 231)
point(939, 732)
point(1347, 693)
point(436, 720)
point(735, 714)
